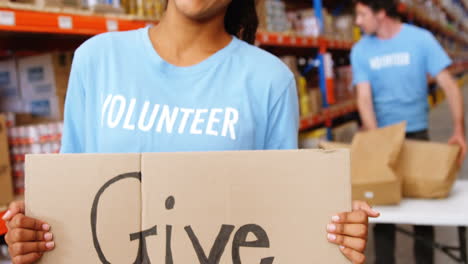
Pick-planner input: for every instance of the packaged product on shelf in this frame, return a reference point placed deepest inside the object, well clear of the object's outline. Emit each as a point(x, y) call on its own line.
point(344, 27)
point(305, 22)
point(10, 119)
point(44, 76)
point(304, 100)
point(272, 16)
point(291, 62)
point(311, 140)
point(31, 139)
point(43, 84)
point(346, 132)
point(104, 6)
point(315, 100)
point(9, 85)
point(15, 105)
point(52, 107)
point(328, 25)
point(344, 89)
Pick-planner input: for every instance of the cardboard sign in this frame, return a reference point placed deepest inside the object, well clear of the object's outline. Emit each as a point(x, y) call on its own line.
point(259, 207)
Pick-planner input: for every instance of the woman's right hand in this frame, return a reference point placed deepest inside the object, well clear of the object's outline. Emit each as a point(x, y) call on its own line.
point(27, 238)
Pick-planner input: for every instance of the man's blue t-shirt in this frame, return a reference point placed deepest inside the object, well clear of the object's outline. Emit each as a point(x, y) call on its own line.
point(123, 97)
point(397, 71)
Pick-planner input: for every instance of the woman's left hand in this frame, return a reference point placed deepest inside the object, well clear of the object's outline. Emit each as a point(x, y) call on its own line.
point(349, 231)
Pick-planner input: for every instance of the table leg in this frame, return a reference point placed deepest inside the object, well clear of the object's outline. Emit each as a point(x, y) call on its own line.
point(458, 254)
point(462, 239)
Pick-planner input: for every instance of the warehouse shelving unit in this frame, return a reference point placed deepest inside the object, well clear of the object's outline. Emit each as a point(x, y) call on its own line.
point(23, 18)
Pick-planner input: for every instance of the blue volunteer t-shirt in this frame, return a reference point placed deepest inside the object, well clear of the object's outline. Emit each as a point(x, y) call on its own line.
point(397, 71)
point(123, 97)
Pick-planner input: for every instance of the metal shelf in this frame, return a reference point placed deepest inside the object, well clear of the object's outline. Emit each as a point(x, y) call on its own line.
point(33, 21)
point(412, 13)
point(328, 115)
point(281, 39)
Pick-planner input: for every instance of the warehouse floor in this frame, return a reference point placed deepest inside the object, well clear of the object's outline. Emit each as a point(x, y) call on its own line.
point(440, 131)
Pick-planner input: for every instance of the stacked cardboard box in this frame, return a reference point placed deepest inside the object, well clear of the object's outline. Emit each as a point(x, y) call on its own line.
point(35, 85)
point(272, 16)
point(304, 22)
point(43, 82)
point(344, 89)
point(346, 132)
point(316, 101)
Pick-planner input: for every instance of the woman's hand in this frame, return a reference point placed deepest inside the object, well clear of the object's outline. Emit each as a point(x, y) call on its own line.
point(27, 238)
point(349, 231)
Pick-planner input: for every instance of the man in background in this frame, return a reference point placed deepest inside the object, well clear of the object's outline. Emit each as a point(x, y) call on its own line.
point(390, 67)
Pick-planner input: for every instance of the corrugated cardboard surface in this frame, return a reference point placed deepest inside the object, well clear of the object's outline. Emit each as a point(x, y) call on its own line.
point(290, 195)
point(428, 169)
point(374, 155)
point(61, 189)
point(375, 192)
point(6, 185)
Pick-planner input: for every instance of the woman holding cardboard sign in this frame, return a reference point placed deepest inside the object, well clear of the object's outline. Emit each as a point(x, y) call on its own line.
point(192, 83)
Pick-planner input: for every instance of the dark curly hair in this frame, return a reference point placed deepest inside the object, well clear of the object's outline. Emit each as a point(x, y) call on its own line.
point(241, 20)
point(389, 6)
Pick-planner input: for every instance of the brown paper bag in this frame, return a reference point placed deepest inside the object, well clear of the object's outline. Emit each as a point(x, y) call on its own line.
point(428, 169)
point(374, 155)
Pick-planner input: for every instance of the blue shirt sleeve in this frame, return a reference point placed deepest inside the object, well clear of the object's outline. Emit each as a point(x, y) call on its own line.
point(358, 65)
point(436, 57)
point(73, 138)
point(283, 120)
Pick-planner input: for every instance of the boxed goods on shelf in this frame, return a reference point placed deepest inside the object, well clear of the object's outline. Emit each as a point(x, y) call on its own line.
point(344, 89)
point(43, 81)
point(43, 76)
point(304, 22)
point(311, 140)
point(51, 4)
point(346, 132)
point(344, 28)
point(272, 16)
point(9, 86)
point(315, 96)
